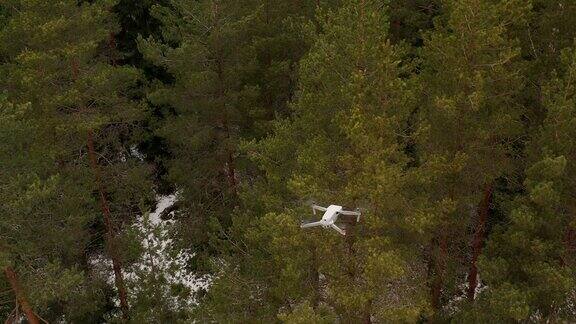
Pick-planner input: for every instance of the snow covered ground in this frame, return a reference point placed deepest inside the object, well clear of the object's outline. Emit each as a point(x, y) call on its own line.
point(161, 266)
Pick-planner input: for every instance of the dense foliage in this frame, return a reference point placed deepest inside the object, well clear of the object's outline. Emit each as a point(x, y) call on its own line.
point(450, 124)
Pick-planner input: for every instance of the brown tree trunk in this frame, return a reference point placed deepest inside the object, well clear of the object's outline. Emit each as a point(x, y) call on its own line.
point(315, 279)
point(230, 168)
point(229, 165)
point(20, 297)
point(112, 251)
point(360, 315)
point(109, 229)
point(112, 48)
point(368, 313)
point(569, 245)
point(439, 268)
point(231, 172)
point(112, 248)
point(478, 240)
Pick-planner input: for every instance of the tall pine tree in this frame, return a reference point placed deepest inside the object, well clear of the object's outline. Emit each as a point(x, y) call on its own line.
point(345, 144)
point(59, 58)
point(469, 132)
point(212, 107)
point(530, 264)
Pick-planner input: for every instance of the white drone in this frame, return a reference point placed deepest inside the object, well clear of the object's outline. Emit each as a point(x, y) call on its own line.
point(330, 217)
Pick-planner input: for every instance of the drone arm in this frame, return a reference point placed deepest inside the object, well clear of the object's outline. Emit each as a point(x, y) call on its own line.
point(350, 213)
point(316, 207)
point(338, 229)
point(313, 224)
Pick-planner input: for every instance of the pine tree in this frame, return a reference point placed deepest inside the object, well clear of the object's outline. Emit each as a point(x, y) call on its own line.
point(42, 242)
point(349, 124)
point(135, 20)
point(410, 19)
point(278, 40)
point(58, 59)
point(530, 262)
point(448, 123)
point(232, 64)
point(549, 29)
point(13, 137)
point(212, 108)
point(469, 132)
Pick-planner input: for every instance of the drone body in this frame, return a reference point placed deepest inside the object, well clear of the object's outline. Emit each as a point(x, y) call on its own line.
point(331, 216)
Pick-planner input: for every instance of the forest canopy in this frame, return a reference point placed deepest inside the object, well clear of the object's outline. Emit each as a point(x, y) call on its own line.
point(158, 157)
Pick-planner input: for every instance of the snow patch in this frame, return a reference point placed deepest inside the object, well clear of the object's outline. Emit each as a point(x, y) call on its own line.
point(160, 265)
point(454, 304)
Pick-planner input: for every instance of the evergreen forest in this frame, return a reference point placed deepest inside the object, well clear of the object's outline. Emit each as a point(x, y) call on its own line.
point(158, 159)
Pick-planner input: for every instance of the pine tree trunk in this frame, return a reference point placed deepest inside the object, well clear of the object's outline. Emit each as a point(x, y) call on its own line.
point(315, 278)
point(20, 297)
point(569, 246)
point(439, 267)
point(109, 229)
point(478, 240)
point(315, 288)
point(368, 313)
point(231, 172)
point(363, 315)
point(112, 248)
point(570, 239)
point(229, 165)
point(112, 48)
point(112, 251)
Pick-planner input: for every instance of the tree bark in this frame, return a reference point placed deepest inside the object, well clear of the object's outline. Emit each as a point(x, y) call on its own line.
point(569, 245)
point(315, 279)
point(112, 251)
point(112, 48)
point(478, 240)
point(368, 313)
point(439, 268)
point(229, 164)
point(231, 172)
point(104, 206)
point(363, 315)
point(20, 296)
